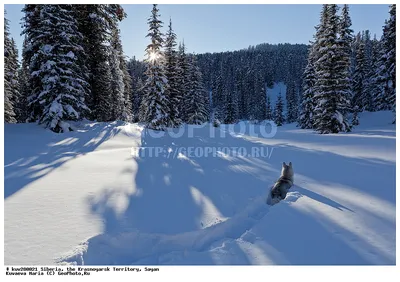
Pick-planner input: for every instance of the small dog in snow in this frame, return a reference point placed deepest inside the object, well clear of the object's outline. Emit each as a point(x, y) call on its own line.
point(283, 184)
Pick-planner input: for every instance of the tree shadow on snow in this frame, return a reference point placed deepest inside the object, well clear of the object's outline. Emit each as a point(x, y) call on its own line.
point(26, 161)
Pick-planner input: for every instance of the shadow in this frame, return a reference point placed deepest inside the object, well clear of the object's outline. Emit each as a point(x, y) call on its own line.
point(179, 198)
point(26, 161)
point(320, 198)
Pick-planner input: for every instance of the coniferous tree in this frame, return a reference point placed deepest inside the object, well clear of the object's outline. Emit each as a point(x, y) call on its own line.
point(291, 98)
point(31, 24)
point(172, 73)
point(11, 86)
point(156, 109)
point(278, 114)
point(369, 73)
point(121, 83)
point(329, 116)
point(345, 39)
point(269, 112)
point(183, 80)
point(24, 90)
point(259, 99)
point(390, 66)
point(96, 23)
point(196, 99)
point(61, 94)
point(117, 102)
point(308, 102)
point(359, 75)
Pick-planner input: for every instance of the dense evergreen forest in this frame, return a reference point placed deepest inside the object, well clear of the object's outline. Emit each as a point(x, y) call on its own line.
point(73, 67)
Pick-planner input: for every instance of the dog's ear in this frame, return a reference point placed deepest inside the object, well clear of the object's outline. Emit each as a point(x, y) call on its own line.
point(290, 164)
point(284, 164)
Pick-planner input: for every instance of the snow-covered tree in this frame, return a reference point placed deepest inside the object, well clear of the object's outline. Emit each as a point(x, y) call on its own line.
point(292, 106)
point(96, 23)
point(269, 113)
point(345, 39)
point(183, 80)
point(172, 73)
point(390, 48)
point(11, 86)
point(121, 83)
point(308, 100)
point(278, 114)
point(156, 109)
point(196, 99)
point(329, 116)
point(61, 94)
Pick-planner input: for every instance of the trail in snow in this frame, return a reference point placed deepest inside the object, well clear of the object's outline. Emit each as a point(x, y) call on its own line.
point(142, 248)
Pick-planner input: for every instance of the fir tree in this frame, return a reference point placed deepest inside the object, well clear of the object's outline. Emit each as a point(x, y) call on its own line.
point(31, 24)
point(183, 80)
point(269, 112)
point(278, 114)
point(291, 98)
point(121, 84)
point(345, 39)
point(11, 86)
point(359, 74)
point(329, 116)
point(117, 103)
point(390, 66)
point(96, 23)
point(156, 109)
point(308, 102)
point(60, 96)
point(196, 99)
point(172, 73)
point(355, 121)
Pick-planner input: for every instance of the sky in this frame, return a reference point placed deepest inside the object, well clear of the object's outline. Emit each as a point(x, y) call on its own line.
point(216, 28)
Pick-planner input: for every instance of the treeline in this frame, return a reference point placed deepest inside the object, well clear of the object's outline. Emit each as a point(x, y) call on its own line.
point(73, 67)
point(238, 81)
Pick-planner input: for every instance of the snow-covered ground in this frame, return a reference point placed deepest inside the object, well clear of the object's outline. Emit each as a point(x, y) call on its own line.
point(83, 198)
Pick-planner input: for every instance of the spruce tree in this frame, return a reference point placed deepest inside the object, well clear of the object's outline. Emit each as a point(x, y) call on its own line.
point(345, 39)
point(31, 24)
point(291, 98)
point(11, 86)
point(183, 80)
point(308, 100)
point(117, 103)
point(196, 99)
point(172, 73)
point(269, 112)
point(156, 107)
point(61, 94)
point(121, 83)
point(329, 116)
point(278, 114)
point(359, 75)
point(95, 23)
point(390, 63)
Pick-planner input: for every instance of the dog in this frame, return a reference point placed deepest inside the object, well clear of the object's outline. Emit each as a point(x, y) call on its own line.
point(283, 184)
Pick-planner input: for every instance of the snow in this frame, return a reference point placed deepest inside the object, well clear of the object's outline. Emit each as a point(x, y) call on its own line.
point(81, 197)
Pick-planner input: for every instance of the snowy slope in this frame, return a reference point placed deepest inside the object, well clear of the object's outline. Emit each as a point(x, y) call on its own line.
point(82, 198)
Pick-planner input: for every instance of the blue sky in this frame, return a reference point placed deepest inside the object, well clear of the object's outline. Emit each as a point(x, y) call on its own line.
point(215, 28)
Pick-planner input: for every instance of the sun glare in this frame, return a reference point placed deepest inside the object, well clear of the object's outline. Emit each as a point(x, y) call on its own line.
point(153, 56)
